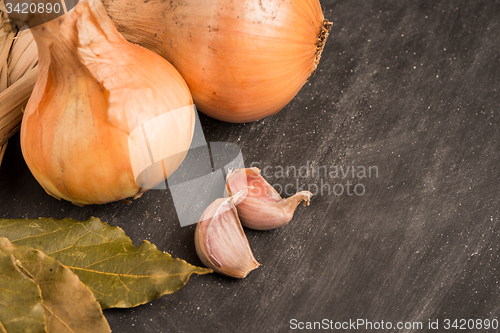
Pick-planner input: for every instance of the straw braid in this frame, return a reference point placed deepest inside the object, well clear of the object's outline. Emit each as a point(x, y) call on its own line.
point(18, 73)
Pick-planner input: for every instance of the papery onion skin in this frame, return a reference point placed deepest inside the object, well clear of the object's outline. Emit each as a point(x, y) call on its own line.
point(75, 130)
point(243, 60)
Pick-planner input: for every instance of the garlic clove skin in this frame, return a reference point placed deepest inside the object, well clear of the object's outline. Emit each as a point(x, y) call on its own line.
point(220, 241)
point(262, 208)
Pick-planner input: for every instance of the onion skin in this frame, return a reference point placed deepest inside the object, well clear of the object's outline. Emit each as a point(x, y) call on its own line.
point(93, 89)
point(242, 60)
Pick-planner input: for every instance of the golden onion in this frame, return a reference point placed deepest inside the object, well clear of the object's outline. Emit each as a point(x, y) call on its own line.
point(95, 95)
point(242, 60)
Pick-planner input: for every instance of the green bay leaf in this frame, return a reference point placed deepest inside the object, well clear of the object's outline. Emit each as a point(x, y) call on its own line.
point(21, 307)
point(118, 273)
point(68, 305)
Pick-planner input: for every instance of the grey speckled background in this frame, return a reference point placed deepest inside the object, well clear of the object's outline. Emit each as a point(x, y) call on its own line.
point(408, 86)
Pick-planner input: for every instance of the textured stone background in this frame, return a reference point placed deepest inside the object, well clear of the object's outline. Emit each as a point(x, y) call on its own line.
point(408, 86)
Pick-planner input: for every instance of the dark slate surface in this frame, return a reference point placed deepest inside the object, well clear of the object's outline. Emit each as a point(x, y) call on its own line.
point(410, 87)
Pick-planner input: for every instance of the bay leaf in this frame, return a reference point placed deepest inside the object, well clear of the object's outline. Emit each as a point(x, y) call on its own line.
point(117, 272)
point(21, 307)
point(68, 305)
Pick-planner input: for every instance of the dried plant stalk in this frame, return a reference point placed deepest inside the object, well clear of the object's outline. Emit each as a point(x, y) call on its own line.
point(2, 151)
point(23, 56)
point(18, 73)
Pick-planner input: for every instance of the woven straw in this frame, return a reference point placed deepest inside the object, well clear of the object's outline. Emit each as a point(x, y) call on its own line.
point(18, 73)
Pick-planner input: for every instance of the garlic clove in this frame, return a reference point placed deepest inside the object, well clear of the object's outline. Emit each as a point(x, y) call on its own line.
point(262, 208)
point(220, 240)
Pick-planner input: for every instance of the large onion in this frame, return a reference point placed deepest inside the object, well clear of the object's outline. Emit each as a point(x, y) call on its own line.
point(95, 96)
point(242, 60)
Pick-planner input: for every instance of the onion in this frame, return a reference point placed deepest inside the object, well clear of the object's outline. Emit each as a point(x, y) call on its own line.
point(242, 60)
point(95, 96)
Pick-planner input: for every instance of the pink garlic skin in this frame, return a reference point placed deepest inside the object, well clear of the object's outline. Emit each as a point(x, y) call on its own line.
point(220, 241)
point(262, 208)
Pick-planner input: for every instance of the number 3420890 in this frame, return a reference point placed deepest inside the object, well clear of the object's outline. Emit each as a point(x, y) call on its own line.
point(33, 8)
point(470, 324)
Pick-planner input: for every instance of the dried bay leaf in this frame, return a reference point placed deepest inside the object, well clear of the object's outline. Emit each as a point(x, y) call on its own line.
point(68, 305)
point(20, 299)
point(117, 272)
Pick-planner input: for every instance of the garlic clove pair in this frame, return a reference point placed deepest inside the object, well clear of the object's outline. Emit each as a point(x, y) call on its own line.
point(262, 208)
point(220, 241)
